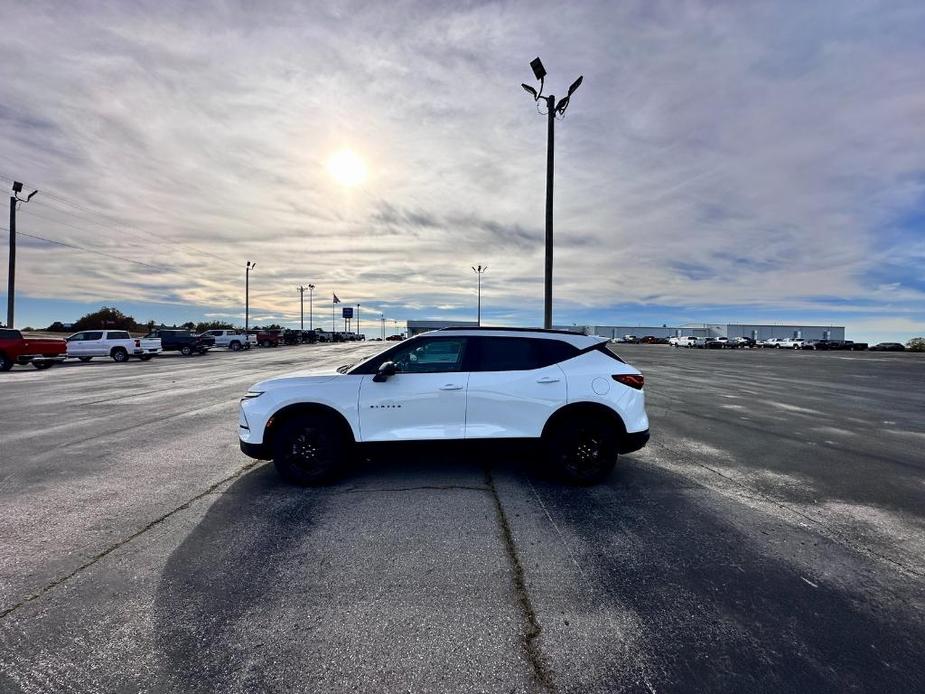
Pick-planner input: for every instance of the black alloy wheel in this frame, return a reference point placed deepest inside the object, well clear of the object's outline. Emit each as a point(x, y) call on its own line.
point(309, 450)
point(119, 355)
point(583, 449)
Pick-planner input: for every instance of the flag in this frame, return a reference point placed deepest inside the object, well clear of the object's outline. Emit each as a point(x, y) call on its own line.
point(336, 300)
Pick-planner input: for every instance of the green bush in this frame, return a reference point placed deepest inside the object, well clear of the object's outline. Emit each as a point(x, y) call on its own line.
point(916, 344)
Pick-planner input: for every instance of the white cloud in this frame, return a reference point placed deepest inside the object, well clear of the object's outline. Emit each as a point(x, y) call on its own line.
point(732, 154)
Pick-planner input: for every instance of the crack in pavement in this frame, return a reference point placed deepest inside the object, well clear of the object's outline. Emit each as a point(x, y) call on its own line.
point(153, 524)
point(541, 673)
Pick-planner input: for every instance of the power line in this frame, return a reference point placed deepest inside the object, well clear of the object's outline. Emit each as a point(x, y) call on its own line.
point(88, 250)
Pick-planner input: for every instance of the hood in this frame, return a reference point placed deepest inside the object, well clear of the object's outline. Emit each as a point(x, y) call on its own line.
point(300, 378)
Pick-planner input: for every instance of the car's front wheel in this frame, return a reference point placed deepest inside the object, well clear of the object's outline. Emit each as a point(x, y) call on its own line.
point(582, 449)
point(119, 355)
point(309, 450)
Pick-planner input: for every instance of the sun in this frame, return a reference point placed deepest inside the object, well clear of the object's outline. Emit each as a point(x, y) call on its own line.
point(347, 168)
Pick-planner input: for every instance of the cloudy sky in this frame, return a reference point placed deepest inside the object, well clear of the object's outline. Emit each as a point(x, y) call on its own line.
point(722, 161)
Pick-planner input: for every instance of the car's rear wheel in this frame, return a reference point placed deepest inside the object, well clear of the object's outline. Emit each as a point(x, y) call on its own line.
point(146, 357)
point(309, 450)
point(235, 346)
point(186, 350)
point(42, 365)
point(119, 355)
point(85, 359)
point(582, 449)
point(5, 363)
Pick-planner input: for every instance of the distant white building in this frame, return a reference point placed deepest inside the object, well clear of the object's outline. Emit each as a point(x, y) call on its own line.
point(755, 331)
point(416, 327)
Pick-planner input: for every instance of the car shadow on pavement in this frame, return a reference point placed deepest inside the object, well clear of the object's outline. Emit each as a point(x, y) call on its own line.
point(721, 610)
point(245, 560)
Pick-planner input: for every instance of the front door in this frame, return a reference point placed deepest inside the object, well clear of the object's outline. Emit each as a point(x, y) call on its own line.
point(425, 399)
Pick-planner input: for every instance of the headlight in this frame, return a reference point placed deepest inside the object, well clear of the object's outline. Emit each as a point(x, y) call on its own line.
point(252, 394)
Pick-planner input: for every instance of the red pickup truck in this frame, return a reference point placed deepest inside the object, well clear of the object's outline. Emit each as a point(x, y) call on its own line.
point(41, 352)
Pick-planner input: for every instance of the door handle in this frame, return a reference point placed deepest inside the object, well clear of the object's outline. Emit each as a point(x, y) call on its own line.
point(451, 386)
point(547, 379)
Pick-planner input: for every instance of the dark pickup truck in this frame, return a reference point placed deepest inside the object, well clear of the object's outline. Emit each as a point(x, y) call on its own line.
point(183, 341)
point(41, 352)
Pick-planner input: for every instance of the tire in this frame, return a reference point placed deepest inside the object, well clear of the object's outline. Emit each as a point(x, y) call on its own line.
point(186, 350)
point(582, 449)
point(266, 343)
point(85, 359)
point(5, 362)
point(119, 355)
point(309, 450)
point(146, 357)
point(235, 346)
point(41, 366)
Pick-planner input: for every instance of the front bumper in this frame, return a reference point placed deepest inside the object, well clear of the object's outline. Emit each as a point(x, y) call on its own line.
point(633, 441)
point(255, 450)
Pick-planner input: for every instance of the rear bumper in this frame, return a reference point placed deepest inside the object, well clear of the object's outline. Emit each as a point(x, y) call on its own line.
point(255, 450)
point(633, 441)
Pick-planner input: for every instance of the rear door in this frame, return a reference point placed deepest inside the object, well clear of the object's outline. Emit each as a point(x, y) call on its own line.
point(93, 344)
point(515, 385)
point(426, 399)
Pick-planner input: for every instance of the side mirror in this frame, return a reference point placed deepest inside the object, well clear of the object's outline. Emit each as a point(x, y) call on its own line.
point(386, 369)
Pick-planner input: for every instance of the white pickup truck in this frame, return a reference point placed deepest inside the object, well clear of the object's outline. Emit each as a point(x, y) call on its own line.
point(116, 344)
point(235, 340)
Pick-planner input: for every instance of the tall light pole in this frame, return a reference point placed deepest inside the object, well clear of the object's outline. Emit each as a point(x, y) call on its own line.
point(247, 295)
point(478, 271)
point(301, 309)
point(311, 290)
point(382, 321)
point(553, 109)
point(358, 321)
point(11, 278)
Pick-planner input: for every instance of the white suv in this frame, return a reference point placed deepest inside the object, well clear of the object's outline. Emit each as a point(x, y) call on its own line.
point(584, 402)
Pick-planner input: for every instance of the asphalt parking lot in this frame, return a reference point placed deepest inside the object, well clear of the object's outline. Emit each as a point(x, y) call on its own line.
point(771, 537)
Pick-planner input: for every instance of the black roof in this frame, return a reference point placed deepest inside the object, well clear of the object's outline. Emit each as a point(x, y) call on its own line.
point(515, 330)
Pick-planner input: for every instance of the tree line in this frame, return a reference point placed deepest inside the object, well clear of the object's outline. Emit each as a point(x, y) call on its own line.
point(111, 318)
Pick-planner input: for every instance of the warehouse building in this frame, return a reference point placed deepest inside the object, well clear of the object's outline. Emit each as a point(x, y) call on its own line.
point(755, 331)
point(416, 327)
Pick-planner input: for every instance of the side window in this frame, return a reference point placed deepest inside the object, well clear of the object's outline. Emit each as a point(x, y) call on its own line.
point(506, 354)
point(98, 335)
point(438, 355)
point(76, 337)
point(118, 335)
point(555, 351)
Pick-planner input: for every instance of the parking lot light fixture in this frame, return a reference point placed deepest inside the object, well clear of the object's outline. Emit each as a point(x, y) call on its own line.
point(478, 271)
point(553, 109)
point(311, 290)
point(247, 294)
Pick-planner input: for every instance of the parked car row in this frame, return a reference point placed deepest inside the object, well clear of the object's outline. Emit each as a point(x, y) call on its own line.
point(693, 342)
point(120, 346)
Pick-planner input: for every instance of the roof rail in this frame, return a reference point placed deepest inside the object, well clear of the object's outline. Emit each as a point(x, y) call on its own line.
point(515, 330)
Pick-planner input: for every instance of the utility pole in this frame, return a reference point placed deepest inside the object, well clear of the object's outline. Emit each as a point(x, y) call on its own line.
point(247, 295)
point(479, 272)
point(311, 290)
point(550, 156)
point(552, 110)
point(301, 309)
point(11, 278)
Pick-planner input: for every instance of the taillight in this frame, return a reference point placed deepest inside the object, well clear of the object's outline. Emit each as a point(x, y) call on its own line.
point(138, 343)
point(632, 380)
